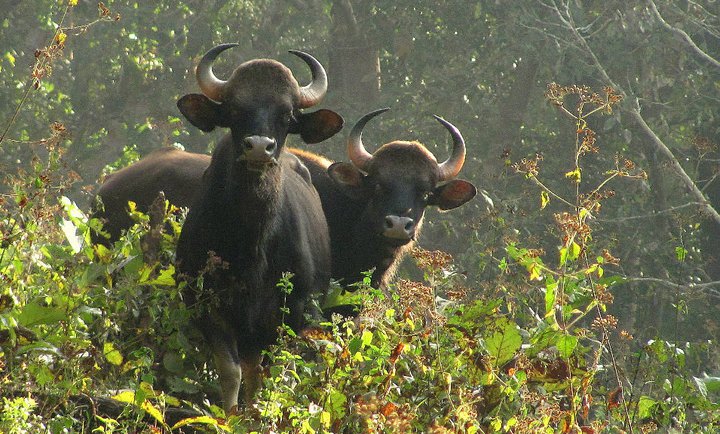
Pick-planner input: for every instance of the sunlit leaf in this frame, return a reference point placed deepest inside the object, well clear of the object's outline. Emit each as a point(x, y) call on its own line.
point(535, 271)
point(60, 38)
point(550, 289)
point(544, 199)
point(201, 420)
point(680, 253)
point(10, 58)
point(569, 253)
point(325, 419)
point(35, 313)
point(566, 345)
point(574, 175)
point(126, 396)
point(70, 231)
point(112, 354)
point(153, 411)
point(503, 344)
point(367, 337)
point(645, 406)
point(165, 278)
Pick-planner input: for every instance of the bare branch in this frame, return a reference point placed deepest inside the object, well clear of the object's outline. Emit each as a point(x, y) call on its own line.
point(653, 214)
point(710, 288)
point(684, 36)
point(709, 183)
point(566, 18)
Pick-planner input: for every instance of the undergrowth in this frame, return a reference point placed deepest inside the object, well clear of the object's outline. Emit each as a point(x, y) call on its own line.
point(98, 340)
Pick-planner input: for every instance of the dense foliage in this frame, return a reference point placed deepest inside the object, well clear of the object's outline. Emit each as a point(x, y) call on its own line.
point(579, 289)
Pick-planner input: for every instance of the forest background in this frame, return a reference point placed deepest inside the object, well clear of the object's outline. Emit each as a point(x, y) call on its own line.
point(86, 89)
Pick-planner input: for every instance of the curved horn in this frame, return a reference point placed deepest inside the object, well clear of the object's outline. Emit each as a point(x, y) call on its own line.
point(314, 92)
point(210, 85)
point(359, 156)
point(451, 167)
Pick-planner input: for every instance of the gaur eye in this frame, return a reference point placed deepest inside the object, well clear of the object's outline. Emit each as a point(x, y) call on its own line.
point(425, 196)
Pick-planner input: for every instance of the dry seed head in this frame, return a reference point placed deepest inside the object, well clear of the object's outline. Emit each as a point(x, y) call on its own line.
point(606, 322)
point(431, 260)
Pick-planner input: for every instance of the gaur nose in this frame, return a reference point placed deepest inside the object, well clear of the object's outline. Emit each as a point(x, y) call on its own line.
point(397, 227)
point(259, 148)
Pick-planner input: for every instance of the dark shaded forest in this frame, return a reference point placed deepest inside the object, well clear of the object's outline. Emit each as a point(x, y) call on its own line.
point(579, 291)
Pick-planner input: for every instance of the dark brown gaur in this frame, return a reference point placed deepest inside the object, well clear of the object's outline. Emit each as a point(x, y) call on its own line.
point(256, 211)
point(361, 225)
point(375, 205)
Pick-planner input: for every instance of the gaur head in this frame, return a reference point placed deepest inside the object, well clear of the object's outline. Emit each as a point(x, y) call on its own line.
point(261, 104)
point(400, 180)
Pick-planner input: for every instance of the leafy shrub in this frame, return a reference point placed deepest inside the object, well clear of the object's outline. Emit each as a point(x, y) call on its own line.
point(93, 338)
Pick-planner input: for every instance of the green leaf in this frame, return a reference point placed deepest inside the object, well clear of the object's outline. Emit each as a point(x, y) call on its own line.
point(503, 264)
point(570, 253)
point(34, 314)
point(165, 278)
point(130, 397)
point(680, 253)
point(550, 288)
point(173, 362)
point(112, 354)
point(707, 384)
point(503, 344)
point(10, 58)
point(337, 402)
point(367, 337)
point(354, 345)
point(566, 345)
point(645, 406)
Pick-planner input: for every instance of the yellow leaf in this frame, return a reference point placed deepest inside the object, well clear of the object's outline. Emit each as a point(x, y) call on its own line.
point(10, 58)
point(153, 411)
point(60, 38)
point(544, 199)
point(73, 2)
point(325, 419)
point(574, 175)
point(112, 354)
point(535, 272)
point(127, 397)
point(204, 420)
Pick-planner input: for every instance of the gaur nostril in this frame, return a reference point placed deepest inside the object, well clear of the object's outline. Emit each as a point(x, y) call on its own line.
point(409, 226)
point(270, 148)
point(388, 223)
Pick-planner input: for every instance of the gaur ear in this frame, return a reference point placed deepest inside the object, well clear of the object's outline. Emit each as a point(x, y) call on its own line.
point(347, 178)
point(317, 126)
point(452, 194)
point(201, 111)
